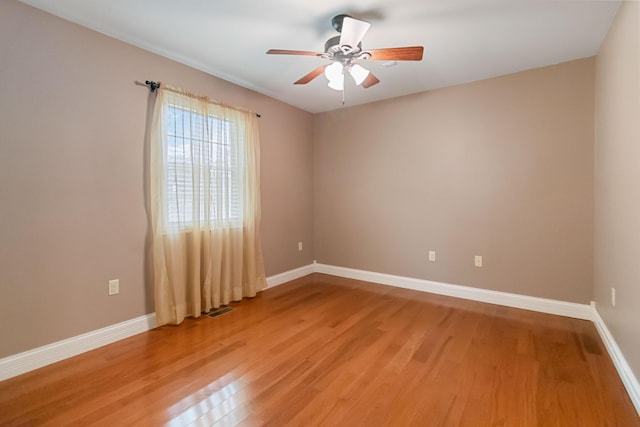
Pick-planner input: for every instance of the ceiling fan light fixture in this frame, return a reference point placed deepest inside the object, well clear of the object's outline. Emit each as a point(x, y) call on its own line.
point(337, 83)
point(358, 73)
point(334, 71)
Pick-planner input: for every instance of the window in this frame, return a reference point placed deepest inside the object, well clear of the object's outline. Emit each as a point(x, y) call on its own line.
point(202, 170)
point(204, 204)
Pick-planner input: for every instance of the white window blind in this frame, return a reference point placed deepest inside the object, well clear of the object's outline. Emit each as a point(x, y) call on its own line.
point(203, 176)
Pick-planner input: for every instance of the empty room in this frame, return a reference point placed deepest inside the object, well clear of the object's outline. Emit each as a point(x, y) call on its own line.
point(393, 213)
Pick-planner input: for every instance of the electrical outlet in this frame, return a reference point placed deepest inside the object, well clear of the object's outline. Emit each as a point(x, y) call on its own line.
point(299, 246)
point(432, 255)
point(114, 287)
point(613, 297)
point(478, 261)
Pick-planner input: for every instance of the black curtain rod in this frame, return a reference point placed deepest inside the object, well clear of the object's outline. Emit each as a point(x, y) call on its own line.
point(155, 85)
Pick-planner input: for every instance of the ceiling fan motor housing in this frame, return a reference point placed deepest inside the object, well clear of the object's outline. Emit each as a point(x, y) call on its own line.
point(332, 46)
point(344, 54)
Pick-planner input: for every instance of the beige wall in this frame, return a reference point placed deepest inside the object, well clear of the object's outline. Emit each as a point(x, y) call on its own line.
point(617, 181)
point(501, 168)
point(72, 213)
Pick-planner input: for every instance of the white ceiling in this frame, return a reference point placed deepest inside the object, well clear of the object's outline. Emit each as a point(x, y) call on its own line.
point(464, 40)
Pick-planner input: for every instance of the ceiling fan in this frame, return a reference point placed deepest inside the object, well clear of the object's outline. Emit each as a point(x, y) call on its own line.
point(344, 50)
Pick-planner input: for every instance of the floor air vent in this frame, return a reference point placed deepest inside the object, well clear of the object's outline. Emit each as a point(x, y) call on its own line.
point(219, 311)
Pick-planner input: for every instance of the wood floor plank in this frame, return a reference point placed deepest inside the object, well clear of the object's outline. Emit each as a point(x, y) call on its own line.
point(323, 350)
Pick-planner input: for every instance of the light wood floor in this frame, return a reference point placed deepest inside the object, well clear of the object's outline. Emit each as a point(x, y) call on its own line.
point(328, 351)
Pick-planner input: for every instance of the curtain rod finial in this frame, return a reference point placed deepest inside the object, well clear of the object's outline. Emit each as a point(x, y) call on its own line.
point(152, 85)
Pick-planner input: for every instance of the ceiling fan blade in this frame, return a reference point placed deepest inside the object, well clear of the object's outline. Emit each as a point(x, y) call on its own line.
point(292, 52)
point(408, 53)
point(312, 75)
point(353, 30)
point(370, 81)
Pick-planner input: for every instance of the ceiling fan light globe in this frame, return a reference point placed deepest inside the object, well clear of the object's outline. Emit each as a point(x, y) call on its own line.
point(333, 71)
point(358, 73)
point(337, 83)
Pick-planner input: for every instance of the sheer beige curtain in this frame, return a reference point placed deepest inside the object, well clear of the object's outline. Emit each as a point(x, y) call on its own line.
point(205, 205)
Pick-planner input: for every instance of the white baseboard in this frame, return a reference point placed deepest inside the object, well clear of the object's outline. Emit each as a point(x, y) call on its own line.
point(544, 305)
point(20, 363)
point(624, 370)
point(290, 275)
